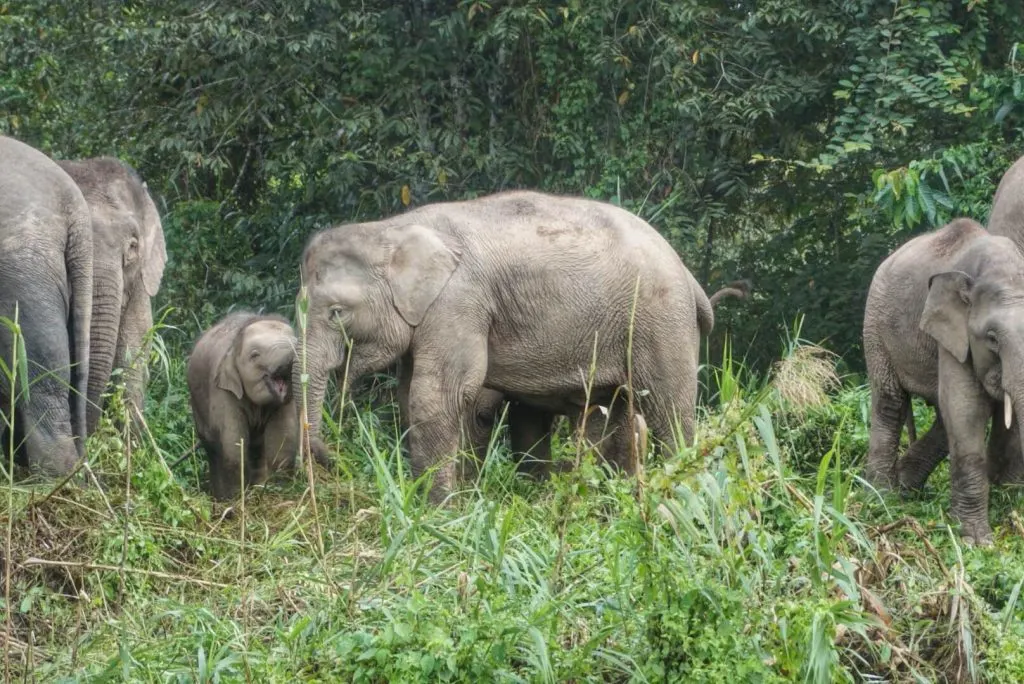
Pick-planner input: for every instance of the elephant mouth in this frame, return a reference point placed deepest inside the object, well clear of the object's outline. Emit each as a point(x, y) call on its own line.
point(279, 386)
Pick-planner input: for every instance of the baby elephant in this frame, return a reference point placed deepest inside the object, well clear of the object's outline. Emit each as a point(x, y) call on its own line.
point(239, 382)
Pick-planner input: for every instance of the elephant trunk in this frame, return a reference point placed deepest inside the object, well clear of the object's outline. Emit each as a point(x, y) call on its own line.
point(80, 268)
point(108, 288)
point(316, 358)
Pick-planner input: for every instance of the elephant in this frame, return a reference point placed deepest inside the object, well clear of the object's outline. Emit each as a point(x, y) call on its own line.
point(129, 255)
point(530, 428)
point(551, 300)
point(1007, 215)
point(239, 380)
point(942, 321)
point(46, 272)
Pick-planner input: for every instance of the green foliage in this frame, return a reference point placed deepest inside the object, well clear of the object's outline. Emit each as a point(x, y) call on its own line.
point(748, 133)
point(788, 142)
point(736, 561)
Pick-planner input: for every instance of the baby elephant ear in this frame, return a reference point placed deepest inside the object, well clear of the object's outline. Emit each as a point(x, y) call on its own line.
point(420, 267)
point(227, 374)
point(946, 311)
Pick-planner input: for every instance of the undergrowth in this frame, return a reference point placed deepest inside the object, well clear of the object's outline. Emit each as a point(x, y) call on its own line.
point(758, 556)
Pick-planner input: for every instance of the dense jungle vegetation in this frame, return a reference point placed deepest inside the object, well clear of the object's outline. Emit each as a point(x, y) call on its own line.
point(791, 142)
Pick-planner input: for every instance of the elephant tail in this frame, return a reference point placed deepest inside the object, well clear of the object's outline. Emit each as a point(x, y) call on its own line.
point(737, 288)
point(705, 312)
point(78, 262)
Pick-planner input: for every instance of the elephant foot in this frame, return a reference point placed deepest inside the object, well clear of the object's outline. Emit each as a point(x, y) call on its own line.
point(1008, 474)
point(912, 480)
point(882, 477)
point(321, 454)
point(975, 530)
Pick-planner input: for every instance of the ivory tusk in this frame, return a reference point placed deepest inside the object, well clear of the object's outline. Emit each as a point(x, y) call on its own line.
point(1007, 410)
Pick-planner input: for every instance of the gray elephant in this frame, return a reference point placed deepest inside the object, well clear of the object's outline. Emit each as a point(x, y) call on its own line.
point(530, 428)
point(536, 296)
point(129, 255)
point(46, 271)
point(239, 382)
point(943, 322)
point(1007, 215)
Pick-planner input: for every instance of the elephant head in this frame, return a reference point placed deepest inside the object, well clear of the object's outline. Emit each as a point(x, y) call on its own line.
point(975, 311)
point(258, 363)
point(128, 263)
point(367, 287)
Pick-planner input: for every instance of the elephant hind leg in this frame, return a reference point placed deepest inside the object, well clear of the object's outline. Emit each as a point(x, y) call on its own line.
point(530, 431)
point(889, 406)
point(923, 456)
point(609, 433)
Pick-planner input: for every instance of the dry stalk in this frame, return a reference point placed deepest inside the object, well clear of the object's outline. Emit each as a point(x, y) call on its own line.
point(32, 562)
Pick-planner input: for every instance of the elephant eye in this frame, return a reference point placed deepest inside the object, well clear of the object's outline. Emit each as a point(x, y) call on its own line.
point(254, 354)
point(992, 339)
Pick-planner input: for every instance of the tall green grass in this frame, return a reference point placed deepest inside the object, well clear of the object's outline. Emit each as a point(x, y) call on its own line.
point(756, 556)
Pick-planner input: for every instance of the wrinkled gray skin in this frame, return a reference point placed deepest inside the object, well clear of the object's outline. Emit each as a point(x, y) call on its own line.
point(239, 383)
point(518, 310)
point(945, 320)
point(1007, 215)
point(46, 267)
point(530, 429)
point(128, 263)
point(1006, 219)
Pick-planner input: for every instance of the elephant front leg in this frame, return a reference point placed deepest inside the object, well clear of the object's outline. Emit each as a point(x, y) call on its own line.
point(226, 459)
point(440, 397)
point(966, 410)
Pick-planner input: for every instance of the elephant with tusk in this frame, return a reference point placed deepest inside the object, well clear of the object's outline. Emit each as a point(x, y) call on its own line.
point(944, 320)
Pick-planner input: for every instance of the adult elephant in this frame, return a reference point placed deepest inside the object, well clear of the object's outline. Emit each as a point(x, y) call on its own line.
point(1007, 215)
point(1006, 218)
point(129, 255)
point(944, 320)
point(46, 272)
point(553, 301)
point(530, 428)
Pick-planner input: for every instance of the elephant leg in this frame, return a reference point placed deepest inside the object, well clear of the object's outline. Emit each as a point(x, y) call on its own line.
point(1004, 457)
point(966, 409)
point(669, 412)
point(279, 445)
point(226, 458)
point(530, 438)
point(889, 406)
point(478, 430)
point(923, 456)
point(444, 388)
point(609, 435)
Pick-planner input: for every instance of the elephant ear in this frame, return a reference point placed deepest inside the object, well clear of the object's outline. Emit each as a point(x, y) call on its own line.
point(421, 265)
point(946, 311)
point(228, 378)
point(155, 256)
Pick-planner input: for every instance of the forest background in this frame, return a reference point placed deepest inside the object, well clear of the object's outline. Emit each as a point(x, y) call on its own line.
point(793, 143)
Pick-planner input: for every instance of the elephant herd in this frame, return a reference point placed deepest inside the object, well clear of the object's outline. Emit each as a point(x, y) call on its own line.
point(81, 254)
point(540, 304)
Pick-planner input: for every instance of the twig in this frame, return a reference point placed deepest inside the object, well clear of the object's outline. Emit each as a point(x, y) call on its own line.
point(181, 460)
point(113, 568)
